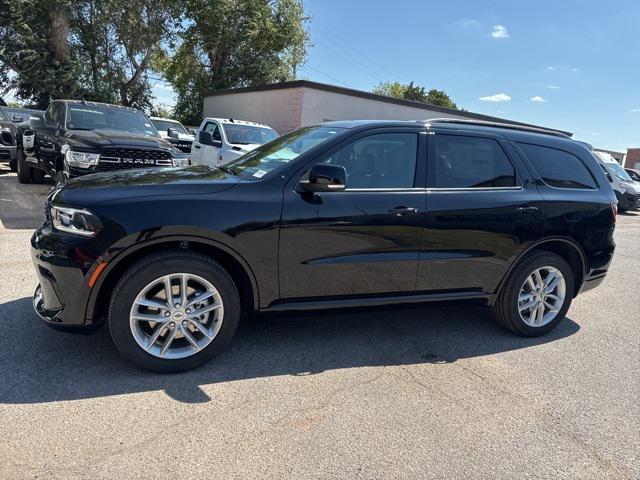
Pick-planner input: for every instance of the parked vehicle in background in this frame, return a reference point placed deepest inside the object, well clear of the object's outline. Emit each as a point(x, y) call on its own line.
point(627, 191)
point(20, 115)
point(634, 174)
point(7, 140)
point(350, 213)
point(221, 140)
point(76, 137)
point(174, 132)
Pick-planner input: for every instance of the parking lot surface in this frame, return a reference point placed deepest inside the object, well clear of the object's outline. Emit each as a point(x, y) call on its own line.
point(436, 391)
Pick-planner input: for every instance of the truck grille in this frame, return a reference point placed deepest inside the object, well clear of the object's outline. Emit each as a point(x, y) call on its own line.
point(127, 158)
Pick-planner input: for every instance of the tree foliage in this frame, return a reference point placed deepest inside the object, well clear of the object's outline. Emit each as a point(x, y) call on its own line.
point(97, 49)
point(416, 93)
point(234, 43)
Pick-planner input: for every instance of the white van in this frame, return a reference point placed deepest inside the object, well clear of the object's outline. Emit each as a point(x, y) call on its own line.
point(627, 191)
point(220, 140)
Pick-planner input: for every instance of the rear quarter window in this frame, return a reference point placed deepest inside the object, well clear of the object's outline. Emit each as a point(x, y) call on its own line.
point(558, 168)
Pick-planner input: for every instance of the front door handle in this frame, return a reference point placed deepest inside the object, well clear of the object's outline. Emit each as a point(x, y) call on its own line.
point(399, 211)
point(527, 209)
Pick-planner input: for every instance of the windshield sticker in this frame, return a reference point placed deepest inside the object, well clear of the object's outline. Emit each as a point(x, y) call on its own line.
point(260, 173)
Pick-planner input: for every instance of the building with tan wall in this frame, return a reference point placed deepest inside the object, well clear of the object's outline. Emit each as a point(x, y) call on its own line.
point(290, 105)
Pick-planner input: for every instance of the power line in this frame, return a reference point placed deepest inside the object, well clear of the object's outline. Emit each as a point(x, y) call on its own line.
point(337, 37)
point(308, 67)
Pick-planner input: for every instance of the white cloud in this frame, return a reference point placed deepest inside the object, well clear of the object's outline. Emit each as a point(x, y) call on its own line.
point(554, 87)
point(538, 99)
point(500, 31)
point(574, 69)
point(498, 97)
point(634, 110)
point(467, 23)
point(551, 68)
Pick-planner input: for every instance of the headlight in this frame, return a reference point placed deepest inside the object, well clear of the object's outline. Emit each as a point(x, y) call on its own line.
point(626, 185)
point(81, 159)
point(180, 161)
point(72, 220)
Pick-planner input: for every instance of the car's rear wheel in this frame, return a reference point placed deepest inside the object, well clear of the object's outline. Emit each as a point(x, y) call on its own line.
point(25, 172)
point(13, 165)
point(537, 295)
point(174, 311)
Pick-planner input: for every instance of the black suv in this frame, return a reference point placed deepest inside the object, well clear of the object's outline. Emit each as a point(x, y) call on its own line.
point(75, 138)
point(7, 140)
point(358, 213)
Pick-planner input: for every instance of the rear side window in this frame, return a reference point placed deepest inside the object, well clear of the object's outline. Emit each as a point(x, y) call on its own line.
point(471, 162)
point(558, 168)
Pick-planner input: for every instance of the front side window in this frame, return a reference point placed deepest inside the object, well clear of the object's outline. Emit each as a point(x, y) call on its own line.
point(471, 162)
point(214, 130)
point(386, 160)
point(558, 168)
point(98, 117)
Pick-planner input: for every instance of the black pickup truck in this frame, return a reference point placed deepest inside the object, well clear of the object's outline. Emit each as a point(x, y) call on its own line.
point(7, 140)
point(75, 138)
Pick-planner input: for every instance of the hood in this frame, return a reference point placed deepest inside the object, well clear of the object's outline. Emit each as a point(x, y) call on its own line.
point(100, 139)
point(146, 182)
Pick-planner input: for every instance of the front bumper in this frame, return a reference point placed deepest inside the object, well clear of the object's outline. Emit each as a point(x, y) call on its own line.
point(630, 201)
point(7, 153)
point(62, 263)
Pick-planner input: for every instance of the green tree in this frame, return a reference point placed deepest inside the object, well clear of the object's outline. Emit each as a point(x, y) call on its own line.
point(416, 93)
point(34, 45)
point(234, 43)
point(98, 49)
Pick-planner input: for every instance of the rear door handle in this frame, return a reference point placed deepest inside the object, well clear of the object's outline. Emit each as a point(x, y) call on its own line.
point(398, 211)
point(527, 209)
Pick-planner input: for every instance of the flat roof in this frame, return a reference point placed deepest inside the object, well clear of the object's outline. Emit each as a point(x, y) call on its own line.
point(379, 98)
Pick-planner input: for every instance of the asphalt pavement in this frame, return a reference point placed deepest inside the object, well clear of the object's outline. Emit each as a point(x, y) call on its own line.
point(438, 391)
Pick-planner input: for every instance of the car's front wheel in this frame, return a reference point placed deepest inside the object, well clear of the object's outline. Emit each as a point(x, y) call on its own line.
point(174, 311)
point(537, 295)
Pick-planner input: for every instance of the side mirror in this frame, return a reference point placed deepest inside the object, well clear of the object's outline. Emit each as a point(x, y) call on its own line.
point(205, 138)
point(173, 133)
point(325, 178)
point(37, 120)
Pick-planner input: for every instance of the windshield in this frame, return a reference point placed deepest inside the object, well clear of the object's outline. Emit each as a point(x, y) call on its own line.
point(91, 117)
point(278, 153)
point(164, 125)
point(619, 172)
point(248, 134)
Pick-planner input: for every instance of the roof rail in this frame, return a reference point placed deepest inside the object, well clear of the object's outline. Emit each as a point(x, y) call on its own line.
point(510, 126)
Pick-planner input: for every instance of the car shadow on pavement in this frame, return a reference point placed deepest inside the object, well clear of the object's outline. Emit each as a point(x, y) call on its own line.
point(38, 364)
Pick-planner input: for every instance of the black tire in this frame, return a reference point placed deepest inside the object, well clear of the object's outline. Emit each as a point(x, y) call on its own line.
point(25, 172)
point(505, 310)
point(37, 176)
point(13, 165)
point(134, 280)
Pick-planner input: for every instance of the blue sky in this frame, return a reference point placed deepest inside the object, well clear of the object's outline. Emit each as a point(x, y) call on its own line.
point(577, 60)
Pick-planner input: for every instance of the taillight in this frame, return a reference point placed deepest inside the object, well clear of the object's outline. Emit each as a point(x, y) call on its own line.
point(614, 211)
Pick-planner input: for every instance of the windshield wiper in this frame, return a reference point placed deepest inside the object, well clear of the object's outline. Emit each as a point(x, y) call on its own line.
point(227, 169)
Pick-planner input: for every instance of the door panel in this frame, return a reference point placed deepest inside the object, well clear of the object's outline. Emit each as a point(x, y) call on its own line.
point(364, 240)
point(350, 243)
point(473, 234)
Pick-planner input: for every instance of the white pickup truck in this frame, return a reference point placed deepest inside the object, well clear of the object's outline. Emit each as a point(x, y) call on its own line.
point(220, 140)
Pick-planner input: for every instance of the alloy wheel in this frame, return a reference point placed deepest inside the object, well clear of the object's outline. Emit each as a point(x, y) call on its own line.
point(176, 316)
point(541, 296)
